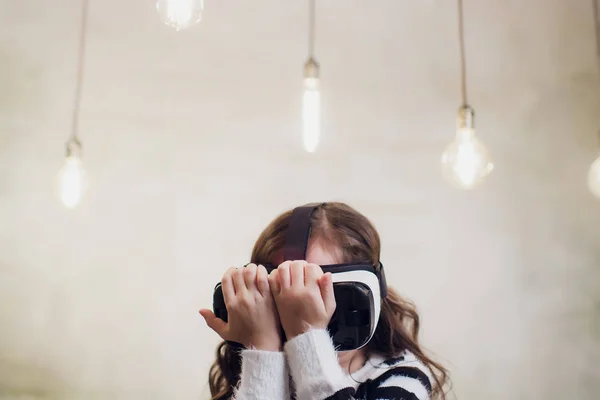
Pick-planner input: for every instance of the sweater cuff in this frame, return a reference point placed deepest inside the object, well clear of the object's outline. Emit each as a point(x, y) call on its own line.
point(314, 365)
point(264, 376)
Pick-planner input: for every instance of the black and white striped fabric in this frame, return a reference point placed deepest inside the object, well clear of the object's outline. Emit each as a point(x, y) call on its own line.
point(398, 379)
point(311, 362)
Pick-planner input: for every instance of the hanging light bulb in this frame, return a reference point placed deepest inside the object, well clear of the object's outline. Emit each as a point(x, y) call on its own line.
point(72, 177)
point(594, 178)
point(311, 99)
point(466, 162)
point(180, 14)
point(311, 106)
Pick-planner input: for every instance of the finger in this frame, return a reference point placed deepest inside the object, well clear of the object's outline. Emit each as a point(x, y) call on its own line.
point(312, 274)
point(274, 282)
point(250, 277)
point(297, 273)
point(285, 280)
point(227, 286)
point(326, 286)
point(238, 282)
point(214, 323)
point(262, 280)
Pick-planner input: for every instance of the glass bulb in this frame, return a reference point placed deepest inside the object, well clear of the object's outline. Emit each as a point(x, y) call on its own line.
point(594, 178)
point(466, 162)
point(180, 14)
point(311, 114)
point(72, 182)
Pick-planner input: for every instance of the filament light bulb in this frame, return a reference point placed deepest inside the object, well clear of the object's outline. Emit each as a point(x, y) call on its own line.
point(594, 178)
point(466, 161)
point(180, 14)
point(72, 178)
point(311, 107)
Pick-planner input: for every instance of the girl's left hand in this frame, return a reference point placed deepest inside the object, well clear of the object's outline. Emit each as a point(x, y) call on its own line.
point(303, 295)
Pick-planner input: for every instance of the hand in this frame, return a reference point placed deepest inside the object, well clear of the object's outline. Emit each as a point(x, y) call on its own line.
point(252, 314)
point(303, 295)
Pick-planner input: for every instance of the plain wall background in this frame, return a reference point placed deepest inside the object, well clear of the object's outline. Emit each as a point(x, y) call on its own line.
point(193, 144)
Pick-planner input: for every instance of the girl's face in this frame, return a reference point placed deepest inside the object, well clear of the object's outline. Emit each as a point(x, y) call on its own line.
point(321, 254)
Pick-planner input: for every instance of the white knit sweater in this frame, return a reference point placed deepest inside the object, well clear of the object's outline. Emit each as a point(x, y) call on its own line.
point(311, 361)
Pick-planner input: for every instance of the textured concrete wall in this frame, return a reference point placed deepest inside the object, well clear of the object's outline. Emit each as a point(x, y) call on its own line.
point(193, 144)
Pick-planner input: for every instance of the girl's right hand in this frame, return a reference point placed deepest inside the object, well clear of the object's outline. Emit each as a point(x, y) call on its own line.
point(252, 314)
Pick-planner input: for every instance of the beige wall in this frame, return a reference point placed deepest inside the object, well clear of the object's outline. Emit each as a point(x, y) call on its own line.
point(193, 144)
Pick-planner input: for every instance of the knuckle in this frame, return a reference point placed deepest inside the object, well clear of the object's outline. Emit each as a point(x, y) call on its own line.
point(262, 279)
point(263, 271)
point(238, 272)
point(285, 265)
point(230, 304)
point(228, 273)
point(314, 267)
point(245, 299)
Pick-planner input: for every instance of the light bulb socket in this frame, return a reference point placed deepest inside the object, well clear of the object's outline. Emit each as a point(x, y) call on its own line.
point(311, 69)
point(465, 118)
point(73, 147)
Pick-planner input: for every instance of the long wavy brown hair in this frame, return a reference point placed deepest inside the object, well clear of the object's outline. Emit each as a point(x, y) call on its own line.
point(339, 225)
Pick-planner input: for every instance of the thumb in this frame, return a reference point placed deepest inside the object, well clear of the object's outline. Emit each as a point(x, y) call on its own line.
point(213, 322)
point(326, 286)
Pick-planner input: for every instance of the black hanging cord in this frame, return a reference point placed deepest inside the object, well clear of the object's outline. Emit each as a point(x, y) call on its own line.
point(463, 62)
point(311, 29)
point(80, 68)
point(597, 29)
point(597, 34)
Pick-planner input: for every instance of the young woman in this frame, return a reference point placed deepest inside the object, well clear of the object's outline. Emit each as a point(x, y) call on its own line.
point(298, 296)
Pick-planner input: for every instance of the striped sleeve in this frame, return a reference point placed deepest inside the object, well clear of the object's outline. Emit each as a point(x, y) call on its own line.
point(264, 376)
point(317, 375)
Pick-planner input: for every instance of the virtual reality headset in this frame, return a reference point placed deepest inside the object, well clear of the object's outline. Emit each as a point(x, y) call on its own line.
point(358, 288)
